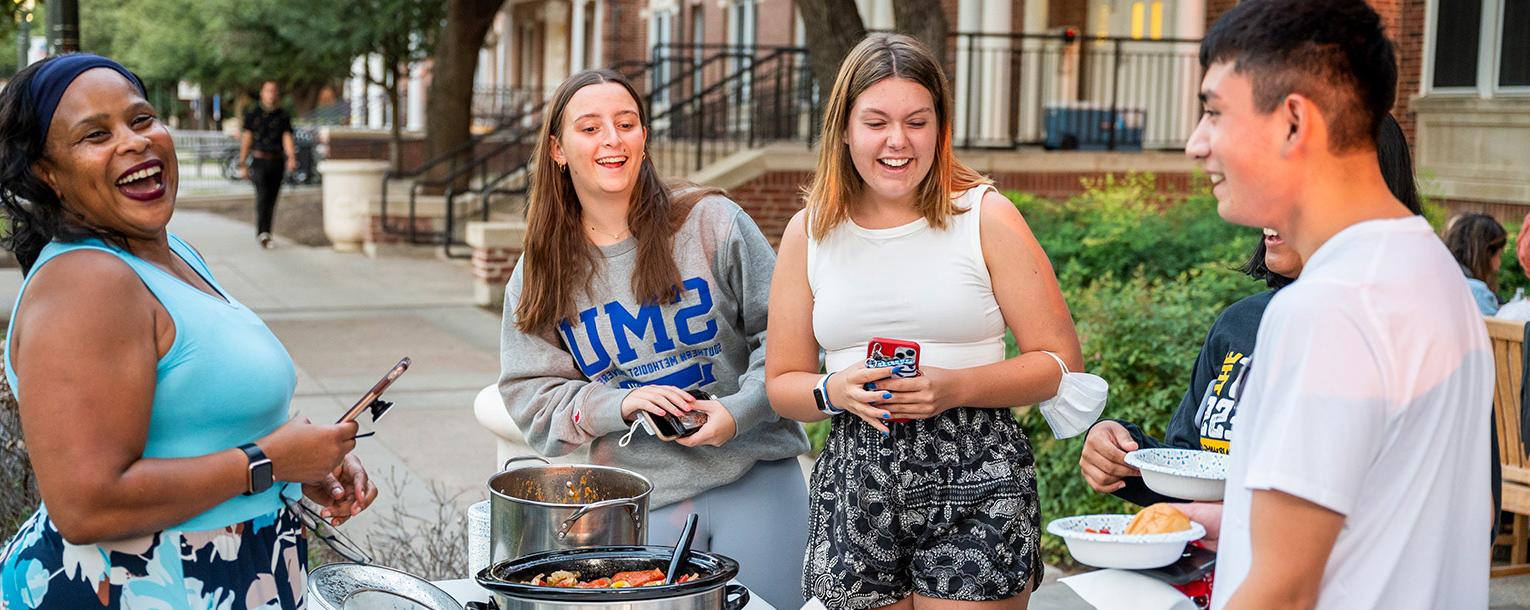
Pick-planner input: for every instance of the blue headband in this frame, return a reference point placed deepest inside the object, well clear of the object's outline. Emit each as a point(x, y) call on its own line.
point(48, 84)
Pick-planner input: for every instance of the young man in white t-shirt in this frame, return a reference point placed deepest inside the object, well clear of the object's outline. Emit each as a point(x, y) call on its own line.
point(1360, 461)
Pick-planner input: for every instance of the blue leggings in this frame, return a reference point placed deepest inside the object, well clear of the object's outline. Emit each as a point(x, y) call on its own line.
point(759, 520)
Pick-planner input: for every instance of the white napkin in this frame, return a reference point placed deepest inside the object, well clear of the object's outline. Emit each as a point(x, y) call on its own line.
point(814, 604)
point(1125, 590)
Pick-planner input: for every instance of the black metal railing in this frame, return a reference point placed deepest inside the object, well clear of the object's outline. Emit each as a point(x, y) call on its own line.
point(710, 101)
point(497, 103)
point(1065, 92)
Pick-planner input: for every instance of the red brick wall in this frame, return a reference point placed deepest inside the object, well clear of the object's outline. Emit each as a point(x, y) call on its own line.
point(625, 35)
point(494, 265)
point(774, 197)
point(1409, 38)
point(376, 234)
point(771, 199)
point(1215, 8)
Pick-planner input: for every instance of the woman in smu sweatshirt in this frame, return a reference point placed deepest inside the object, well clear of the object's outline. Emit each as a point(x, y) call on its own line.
point(628, 294)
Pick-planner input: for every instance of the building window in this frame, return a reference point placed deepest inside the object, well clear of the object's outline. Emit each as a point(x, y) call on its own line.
point(1457, 36)
point(1514, 47)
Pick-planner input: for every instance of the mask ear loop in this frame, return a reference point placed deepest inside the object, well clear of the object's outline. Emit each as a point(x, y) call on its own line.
point(627, 438)
point(1059, 360)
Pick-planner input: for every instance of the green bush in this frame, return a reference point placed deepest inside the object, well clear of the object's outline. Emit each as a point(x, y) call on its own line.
point(1142, 335)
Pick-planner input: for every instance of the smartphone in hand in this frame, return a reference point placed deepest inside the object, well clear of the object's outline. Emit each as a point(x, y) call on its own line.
point(899, 355)
point(902, 356)
point(376, 391)
point(670, 427)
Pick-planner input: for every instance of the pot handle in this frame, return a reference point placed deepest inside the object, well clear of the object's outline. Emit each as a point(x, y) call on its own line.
point(488, 605)
point(522, 458)
point(735, 597)
point(637, 517)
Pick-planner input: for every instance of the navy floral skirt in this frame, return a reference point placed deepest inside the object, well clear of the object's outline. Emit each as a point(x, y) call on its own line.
point(261, 563)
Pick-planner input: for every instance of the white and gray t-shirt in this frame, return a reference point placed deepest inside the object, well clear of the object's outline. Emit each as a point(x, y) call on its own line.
point(1371, 395)
point(564, 388)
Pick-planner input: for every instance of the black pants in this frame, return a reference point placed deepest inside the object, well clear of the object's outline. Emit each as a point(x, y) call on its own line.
point(267, 176)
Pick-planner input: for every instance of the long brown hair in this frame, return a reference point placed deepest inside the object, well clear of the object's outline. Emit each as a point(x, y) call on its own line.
point(1475, 239)
point(836, 183)
point(558, 258)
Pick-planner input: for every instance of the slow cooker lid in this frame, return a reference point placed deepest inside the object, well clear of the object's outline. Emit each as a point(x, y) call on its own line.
point(509, 577)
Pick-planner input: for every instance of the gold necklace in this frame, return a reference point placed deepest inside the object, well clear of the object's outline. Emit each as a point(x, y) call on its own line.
point(617, 235)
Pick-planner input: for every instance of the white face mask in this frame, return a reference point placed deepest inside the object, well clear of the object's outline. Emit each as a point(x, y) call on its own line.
point(1079, 401)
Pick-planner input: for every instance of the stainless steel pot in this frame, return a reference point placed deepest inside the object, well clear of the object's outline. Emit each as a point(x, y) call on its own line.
point(711, 590)
point(556, 506)
point(352, 586)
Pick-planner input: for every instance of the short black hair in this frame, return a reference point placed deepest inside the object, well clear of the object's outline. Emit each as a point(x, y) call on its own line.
point(1334, 52)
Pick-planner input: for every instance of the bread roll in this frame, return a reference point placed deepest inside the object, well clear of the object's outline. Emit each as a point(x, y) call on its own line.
point(1158, 519)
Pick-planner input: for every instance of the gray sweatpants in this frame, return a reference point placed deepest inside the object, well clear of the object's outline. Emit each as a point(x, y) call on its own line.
point(759, 520)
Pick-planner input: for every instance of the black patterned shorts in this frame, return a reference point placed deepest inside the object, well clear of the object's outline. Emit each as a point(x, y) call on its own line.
point(944, 507)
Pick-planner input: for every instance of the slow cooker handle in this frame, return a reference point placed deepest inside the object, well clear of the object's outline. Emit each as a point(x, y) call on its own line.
point(568, 524)
point(522, 458)
point(730, 602)
point(488, 605)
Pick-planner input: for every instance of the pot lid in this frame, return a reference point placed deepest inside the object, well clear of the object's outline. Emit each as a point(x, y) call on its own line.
point(353, 586)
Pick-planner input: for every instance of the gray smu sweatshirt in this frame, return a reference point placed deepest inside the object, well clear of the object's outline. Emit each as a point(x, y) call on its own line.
point(564, 388)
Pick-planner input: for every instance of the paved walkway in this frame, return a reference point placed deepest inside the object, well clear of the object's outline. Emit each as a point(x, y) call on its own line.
point(346, 319)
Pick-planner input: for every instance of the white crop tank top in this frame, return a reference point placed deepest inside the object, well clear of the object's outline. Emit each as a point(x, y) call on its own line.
point(911, 282)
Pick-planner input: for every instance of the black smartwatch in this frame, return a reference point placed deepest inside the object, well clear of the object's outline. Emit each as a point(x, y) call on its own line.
point(259, 478)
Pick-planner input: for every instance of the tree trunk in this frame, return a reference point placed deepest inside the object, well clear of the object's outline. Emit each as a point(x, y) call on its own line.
point(449, 111)
point(925, 20)
point(395, 129)
point(833, 28)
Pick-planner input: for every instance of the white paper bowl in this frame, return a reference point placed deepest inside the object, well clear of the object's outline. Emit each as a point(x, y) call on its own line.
point(1182, 473)
point(1117, 550)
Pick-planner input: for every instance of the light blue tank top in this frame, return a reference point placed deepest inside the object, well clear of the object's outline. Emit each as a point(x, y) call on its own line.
point(225, 381)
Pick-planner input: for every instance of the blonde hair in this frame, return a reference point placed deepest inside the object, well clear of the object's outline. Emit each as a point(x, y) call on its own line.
point(836, 183)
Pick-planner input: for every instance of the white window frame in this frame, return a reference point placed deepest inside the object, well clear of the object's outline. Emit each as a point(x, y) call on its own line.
point(1489, 55)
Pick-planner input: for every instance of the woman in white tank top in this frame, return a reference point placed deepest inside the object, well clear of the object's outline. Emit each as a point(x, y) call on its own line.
point(926, 490)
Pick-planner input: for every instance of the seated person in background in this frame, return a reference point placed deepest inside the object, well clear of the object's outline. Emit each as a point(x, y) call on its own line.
point(1477, 240)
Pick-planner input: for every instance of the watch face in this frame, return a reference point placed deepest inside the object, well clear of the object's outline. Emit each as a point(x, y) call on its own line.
point(260, 476)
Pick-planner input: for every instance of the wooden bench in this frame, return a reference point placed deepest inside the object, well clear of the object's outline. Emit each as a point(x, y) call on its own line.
point(1508, 346)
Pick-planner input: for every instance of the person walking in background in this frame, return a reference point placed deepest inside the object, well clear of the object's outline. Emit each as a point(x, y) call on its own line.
point(267, 137)
point(1477, 242)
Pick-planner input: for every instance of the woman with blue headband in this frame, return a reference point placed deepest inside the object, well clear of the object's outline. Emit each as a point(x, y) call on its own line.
point(154, 405)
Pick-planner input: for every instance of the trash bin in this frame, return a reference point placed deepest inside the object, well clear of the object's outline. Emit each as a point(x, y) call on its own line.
point(1087, 126)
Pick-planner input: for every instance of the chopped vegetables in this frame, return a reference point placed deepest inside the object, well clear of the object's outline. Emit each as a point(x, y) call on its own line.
point(1090, 530)
point(620, 580)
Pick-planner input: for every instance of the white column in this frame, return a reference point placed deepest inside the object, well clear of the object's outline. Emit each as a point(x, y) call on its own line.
point(576, 42)
point(416, 114)
point(997, 16)
point(357, 90)
point(1189, 22)
point(377, 97)
point(969, 18)
point(555, 50)
point(1031, 68)
point(598, 30)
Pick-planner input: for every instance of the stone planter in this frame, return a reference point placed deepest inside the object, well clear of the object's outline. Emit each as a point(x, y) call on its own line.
point(350, 187)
